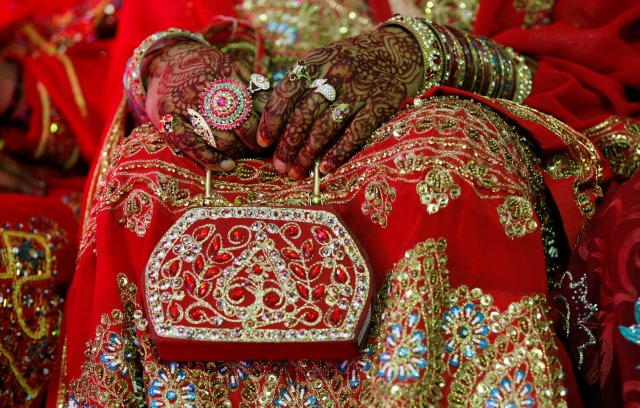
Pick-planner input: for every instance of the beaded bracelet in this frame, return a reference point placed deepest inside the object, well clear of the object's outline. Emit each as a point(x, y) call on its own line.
point(433, 52)
point(133, 81)
point(524, 78)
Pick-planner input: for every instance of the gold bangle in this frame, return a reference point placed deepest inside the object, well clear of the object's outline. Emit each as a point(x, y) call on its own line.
point(133, 84)
point(524, 78)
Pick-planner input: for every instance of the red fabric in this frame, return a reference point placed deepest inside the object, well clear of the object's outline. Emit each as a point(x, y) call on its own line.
point(479, 254)
point(607, 259)
point(589, 57)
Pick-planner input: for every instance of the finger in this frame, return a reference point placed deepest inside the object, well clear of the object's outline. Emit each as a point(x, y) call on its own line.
point(308, 109)
point(246, 131)
point(195, 147)
point(355, 136)
point(280, 106)
point(324, 131)
point(260, 99)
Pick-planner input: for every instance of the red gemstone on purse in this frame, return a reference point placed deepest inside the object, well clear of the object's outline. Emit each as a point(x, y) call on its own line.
point(199, 265)
point(341, 275)
point(318, 293)
point(271, 299)
point(307, 250)
point(258, 286)
point(236, 294)
point(335, 316)
point(189, 282)
point(314, 271)
point(211, 272)
point(202, 233)
point(174, 268)
point(302, 290)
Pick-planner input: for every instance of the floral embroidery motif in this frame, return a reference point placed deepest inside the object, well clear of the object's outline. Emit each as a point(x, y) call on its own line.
point(581, 159)
point(436, 189)
point(517, 217)
point(172, 387)
point(511, 394)
point(379, 196)
point(468, 332)
point(407, 349)
point(295, 396)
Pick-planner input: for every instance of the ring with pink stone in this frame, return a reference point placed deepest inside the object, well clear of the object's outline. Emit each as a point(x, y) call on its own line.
point(225, 103)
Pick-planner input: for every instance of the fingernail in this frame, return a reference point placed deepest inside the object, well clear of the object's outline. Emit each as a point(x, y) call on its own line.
point(227, 165)
point(280, 166)
point(326, 167)
point(295, 173)
point(264, 139)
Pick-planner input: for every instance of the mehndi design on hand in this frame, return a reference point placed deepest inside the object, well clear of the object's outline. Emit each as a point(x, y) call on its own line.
point(372, 73)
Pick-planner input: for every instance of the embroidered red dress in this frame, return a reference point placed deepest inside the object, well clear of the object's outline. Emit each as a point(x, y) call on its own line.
point(462, 203)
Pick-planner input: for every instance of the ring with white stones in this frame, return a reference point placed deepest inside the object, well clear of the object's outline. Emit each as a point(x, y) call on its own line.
point(298, 71)
point(225, 103)
point(258, 83)
point(201, 128)
point(339, 112)
point(323, 88)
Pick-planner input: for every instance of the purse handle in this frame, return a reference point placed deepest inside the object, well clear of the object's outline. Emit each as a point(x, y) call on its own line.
point(314, 199)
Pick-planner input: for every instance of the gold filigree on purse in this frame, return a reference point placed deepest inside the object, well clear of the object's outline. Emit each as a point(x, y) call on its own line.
point(234, 283)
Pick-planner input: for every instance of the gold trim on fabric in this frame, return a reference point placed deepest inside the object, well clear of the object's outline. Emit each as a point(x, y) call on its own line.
point(50, 49)
point(113, 136)
point(46, 120)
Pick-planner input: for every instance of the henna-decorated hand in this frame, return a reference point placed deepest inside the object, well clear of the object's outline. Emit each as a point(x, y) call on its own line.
point(372, 73)
point(176, 77)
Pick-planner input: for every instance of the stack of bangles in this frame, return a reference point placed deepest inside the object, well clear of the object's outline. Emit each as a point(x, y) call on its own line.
point(473, 63)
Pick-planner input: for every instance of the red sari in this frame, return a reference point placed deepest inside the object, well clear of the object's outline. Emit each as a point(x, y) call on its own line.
point(463, 204)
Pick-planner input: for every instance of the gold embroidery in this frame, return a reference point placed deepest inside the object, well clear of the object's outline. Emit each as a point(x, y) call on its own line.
point(111, 375)
point(45, 134)
point(96, 183)
point(537, 12)
point(33, 35)
point(517, 217)
point(460, 14)
point(581, 158)
point(379, 197)
point(429, 342)
point(619, 140)
point(291, 29)
point(436, 189)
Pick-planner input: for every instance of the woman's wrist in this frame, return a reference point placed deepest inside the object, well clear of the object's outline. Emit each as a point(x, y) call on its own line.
point(134, 81)
point(457, 59)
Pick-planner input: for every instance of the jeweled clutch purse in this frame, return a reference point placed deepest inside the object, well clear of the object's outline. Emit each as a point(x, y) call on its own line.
point(233, 283)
